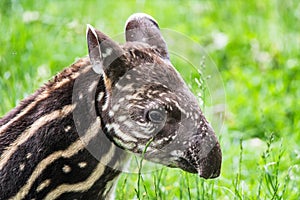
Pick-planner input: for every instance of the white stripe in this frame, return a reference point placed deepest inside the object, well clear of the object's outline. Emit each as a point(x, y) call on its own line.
point(45, 94)
point(23, 112)
point(29, 132)
point(84, 185)
point(73, 76)
point(121, 134)
point(69, 152)
point(100, 96)
point(106, 104)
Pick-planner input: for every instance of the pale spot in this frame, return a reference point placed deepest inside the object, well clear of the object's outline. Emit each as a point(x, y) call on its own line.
point(174, 137)
point(118, 86)
point(43, 185)
point(82, 164)
point(66, 169)
point(149, 96)
point(92, 86)
point(22, 166)
point(122, 118)
point(188, 115)
point(80, 96)
point(121, 100)
point(116, 107)
point(111, 113)
point(86, 184)
point(28, 155)
point(128, 76)
point(107, 52)
point(162, 94)
point(67, 128)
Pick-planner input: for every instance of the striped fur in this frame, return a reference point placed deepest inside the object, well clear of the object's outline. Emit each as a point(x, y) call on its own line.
point(41, 153)
point(72, 137)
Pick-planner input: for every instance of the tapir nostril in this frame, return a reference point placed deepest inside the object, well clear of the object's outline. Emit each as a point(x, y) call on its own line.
point(210, 166)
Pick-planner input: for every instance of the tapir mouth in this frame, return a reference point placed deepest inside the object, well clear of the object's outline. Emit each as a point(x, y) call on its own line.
point(185, 165)
point(208, 167)
point(200, 157)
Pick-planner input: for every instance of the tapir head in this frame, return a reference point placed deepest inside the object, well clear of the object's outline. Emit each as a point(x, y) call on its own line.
point(147, 107)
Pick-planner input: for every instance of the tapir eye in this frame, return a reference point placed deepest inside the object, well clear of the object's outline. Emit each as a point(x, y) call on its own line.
point(156, 115)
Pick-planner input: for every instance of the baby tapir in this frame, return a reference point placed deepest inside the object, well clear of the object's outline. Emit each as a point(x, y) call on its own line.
point(72, 137)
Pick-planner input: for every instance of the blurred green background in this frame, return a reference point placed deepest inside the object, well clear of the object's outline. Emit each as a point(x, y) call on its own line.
point(255, 46)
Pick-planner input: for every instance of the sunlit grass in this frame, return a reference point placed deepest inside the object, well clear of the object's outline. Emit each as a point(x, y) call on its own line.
point(259, 64)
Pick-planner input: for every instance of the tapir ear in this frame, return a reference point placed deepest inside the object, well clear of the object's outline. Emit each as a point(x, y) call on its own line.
point(141, 27)
point(102, 51)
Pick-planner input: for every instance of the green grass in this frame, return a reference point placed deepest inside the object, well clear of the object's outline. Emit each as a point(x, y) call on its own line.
point(260, 68)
